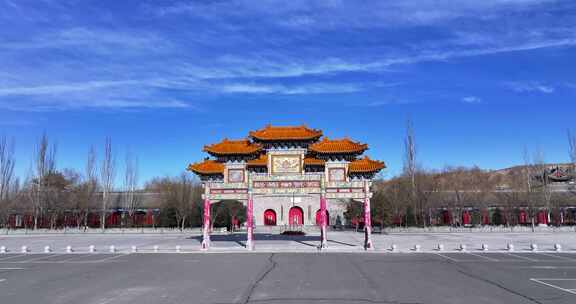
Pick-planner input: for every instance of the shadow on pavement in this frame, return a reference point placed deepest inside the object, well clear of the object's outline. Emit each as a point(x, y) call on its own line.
point(241, 237)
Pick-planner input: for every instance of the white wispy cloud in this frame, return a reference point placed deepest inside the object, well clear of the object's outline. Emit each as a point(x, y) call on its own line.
point(121, 94)
point(73, 103)
point(91, 40)
point(239, 67)
point(324, 14)
point(266, 47)
point(471, 99)
point(314, 88)
point(58, 89)
point(16, 122)
point(530, 87)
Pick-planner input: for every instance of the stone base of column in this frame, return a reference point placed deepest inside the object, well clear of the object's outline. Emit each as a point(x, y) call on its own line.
point(323, 238)
point(205, 243)
point(250, 239)
point(368, 239)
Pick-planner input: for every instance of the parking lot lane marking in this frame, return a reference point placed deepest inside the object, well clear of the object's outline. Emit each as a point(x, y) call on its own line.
point(11, 257)
point(543, 267)
point(557, 256)
point(554, 286)
point(447, 257)
point(481, 256)
point(71, 258)
point(37, 259)
point(2, 280)
point(108, 259)
point(523, 257)
point(13, 268)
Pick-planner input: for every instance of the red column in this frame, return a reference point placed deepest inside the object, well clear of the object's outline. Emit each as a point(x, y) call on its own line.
point(323, 222)
point(250, 222)
point(206, 228)
point(367, 219)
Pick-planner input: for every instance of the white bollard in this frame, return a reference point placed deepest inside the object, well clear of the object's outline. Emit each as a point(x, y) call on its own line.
point(533, 247)
point(557, 247)
point(440, 247)
point(393, 248)
point(92, 249)
point(156, 248)
point(178, 249)
point(3, 249)
point(47, 249)
point(462, 247)
point(24, 249)
point(417, 247)
point(134, 249)
point(112, 248)
point(484, 247)
point(510, 247)
point(69, 249)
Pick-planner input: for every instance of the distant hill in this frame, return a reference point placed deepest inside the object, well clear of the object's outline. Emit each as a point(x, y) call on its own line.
point(477, 179)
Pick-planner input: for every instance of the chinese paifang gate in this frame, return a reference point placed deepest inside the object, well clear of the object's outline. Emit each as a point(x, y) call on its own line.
point(286, 174)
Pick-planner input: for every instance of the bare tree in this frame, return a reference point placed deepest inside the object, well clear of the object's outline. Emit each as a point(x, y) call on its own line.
point(7, 162)
point(7, 179)
point(44, 165)
point(410, 165)
point(131, 201)
point(528, 175)
point(572, 150)
point(181, 195)
point(107, 176)
point(86, 190)
point(543, 180)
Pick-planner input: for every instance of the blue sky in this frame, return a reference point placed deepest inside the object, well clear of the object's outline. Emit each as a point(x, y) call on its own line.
point(480, 79)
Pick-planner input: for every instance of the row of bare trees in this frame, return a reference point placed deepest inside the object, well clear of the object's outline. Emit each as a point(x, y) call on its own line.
point(48, 191)
point(416, 194)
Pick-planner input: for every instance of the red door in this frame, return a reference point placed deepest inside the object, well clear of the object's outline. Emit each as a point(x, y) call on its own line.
point(466, 219)
point(270, 217)
point(542, 217)
point(522, 217)
point(296, 216)
point(446, 217)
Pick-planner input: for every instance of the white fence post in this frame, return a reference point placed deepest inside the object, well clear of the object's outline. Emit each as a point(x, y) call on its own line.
point(510, 247)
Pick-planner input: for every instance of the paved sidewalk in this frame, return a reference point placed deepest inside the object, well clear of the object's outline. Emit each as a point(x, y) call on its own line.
point(337, 241)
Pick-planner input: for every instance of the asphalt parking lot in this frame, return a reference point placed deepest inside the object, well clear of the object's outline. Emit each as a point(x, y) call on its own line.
point(466, 277)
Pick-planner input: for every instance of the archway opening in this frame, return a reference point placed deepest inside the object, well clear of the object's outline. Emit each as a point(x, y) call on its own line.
point(295, 216)
point(227, 213)
point(270, 217)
